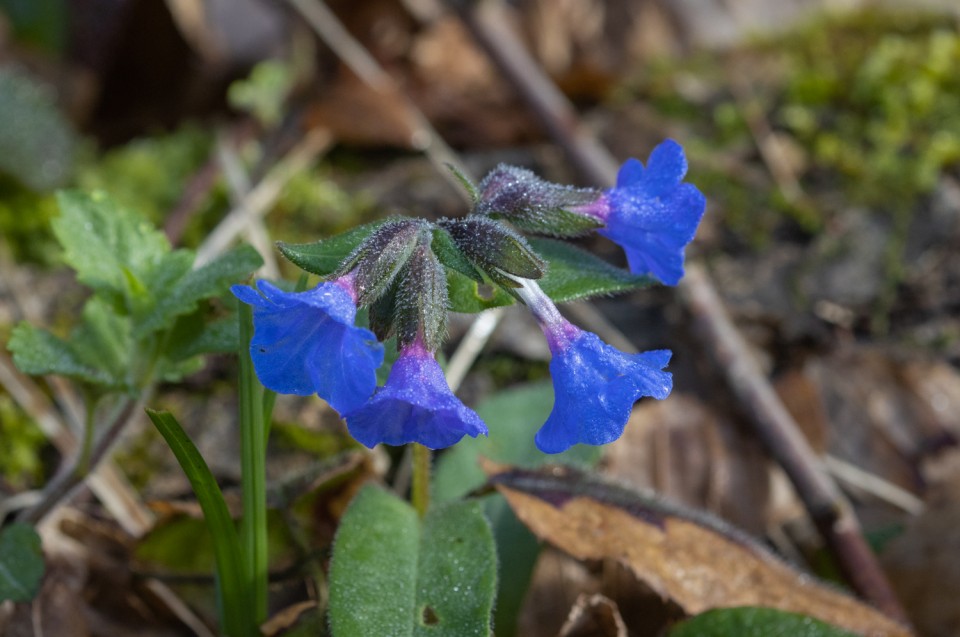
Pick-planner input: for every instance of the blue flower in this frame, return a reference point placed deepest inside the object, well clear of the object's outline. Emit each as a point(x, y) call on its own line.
point(416, 405)
point(305, 343)
point(651, 213)
point(595, 386)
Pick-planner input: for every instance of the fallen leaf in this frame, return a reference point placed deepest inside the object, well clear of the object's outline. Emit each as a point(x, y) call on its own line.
point(693, 558)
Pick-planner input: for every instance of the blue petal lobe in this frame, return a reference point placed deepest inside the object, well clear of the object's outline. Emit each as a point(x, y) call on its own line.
point(305, 343)
point(666, 166)
point(595, 387)
point(416, 405)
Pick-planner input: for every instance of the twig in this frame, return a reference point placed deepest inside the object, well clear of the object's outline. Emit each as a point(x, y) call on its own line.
point(68, 478)
point(776, 428)
point(829, 510)
point(238, 183)
point(472, 343)
point(873, 484)
point(423, 136)
point(262, 196)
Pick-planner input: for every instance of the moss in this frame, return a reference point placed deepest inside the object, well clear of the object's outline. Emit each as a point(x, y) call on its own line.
point(870, 100)
point(20, 453)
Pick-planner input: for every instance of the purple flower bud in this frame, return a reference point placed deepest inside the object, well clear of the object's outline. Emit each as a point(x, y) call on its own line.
point(651, 213)
point(305, 342)
point(595, 385)
point(416, 405)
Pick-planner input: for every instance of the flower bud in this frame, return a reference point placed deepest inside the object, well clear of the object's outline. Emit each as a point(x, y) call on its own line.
point(534, 205)
point(495, 249)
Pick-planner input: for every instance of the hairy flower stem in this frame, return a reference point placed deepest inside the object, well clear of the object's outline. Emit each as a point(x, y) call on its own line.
point(420, 489)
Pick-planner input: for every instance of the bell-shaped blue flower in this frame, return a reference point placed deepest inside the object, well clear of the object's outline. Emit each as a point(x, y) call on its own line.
point(595, 385)
point(306, 343)
point(651, 213)
point(416, 405)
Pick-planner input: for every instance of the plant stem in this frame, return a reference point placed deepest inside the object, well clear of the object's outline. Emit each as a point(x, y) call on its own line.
point(420, 490)
point(253, 478)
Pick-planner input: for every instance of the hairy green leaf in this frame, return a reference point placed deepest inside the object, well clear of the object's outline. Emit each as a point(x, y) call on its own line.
point(38, 352)
point(210, 280)
point(470, 297)
point(577, 274)
point(325, 256)
point(752, 621)
point(112, 249)
point(21, 563)
point(393, 575)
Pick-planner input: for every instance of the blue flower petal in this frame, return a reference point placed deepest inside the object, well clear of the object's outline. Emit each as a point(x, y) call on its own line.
point(595, 387)
point(305, 343)
point(652, 215)
point(416, 405)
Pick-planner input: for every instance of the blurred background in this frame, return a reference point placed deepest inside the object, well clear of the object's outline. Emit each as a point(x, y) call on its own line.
point(824, 133)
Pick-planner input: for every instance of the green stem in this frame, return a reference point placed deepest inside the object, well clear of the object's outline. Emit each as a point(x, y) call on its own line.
point(253, 478)
point(420, 490)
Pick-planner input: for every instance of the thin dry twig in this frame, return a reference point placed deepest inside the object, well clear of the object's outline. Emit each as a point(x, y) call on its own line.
point(776, 428)
point(262, 196)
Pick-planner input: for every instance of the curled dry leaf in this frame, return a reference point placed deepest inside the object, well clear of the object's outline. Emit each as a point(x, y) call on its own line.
point(695, 559)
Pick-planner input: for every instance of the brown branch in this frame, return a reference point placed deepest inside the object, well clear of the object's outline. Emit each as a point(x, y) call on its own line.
point(774, 425)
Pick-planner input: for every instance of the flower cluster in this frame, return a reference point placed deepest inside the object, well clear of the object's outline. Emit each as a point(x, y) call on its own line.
point(308, 342)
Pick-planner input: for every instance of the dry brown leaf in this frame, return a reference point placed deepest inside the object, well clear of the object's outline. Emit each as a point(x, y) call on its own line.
point(694, 559)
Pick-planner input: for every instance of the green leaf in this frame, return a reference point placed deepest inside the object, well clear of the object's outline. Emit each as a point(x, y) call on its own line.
point(38, 352)
point(112, 249)
point(390, 575)
point(192, 336)
point(21, 563)
point(237, 616)
point(755, 622)
point(37, 145)
point(325, 256)
point(210, 280)
point(469, 296)
point(577, 274)
point(513, 417)
point(102, 340)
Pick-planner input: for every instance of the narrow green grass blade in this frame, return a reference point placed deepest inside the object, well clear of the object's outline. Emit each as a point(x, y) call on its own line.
point(237, 616)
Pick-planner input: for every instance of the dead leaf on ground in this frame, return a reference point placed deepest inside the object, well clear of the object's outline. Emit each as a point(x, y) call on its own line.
point(693, 558)
point(691, 454)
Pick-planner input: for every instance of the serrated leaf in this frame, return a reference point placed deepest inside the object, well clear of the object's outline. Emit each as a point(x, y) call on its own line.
point(102, 339)
point(38, 352)
point(752, 621)
point(577, 274)
point(469, 296)
point(197, 285)
point(21, 563)
point(325, 256)
point(192, 336)
point(393, 575)
point(113, 250)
